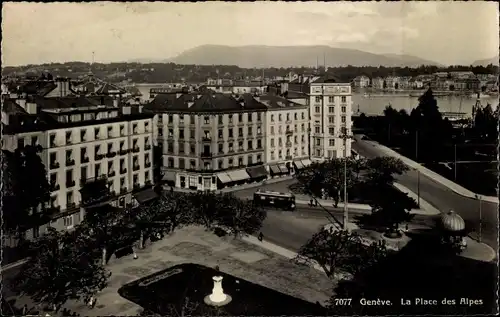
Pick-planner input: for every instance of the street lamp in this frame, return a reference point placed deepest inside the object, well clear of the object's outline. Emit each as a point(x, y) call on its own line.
point(344, 137)
point(479, 198)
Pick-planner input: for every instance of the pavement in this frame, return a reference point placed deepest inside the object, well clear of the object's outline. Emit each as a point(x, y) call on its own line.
point(247, 258)
point(444, 198)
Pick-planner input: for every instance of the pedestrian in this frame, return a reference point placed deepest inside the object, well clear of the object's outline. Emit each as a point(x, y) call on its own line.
point(315, 203)
point(261, 236)
point(25, 309)
point(171, 189)
point(311, 202)
point(217, 268)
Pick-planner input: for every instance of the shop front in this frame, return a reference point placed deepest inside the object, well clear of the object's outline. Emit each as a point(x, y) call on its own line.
point(257, 173)
point(196, 181)
point(238, 177)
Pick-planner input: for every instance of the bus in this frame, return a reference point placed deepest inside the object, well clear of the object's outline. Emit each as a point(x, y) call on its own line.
point(285, 201)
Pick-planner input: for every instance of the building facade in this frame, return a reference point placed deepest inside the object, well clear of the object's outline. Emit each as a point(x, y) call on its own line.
point(210, 140)
point(287, 138)
point(330, 117)
point(361, 81)
point(83, 140)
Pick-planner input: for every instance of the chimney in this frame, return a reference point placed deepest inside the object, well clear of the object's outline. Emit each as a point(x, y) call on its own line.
point(141, 107)
point(62, 86)
point(31, 107)
point(115, 102)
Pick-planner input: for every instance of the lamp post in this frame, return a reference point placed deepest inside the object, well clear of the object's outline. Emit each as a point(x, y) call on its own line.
point(345, 136)
point(479, 198)
point(418, 188)
point(455, 161)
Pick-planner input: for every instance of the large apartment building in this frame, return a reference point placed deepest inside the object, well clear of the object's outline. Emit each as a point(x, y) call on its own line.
point(287, 137)
point(330, 112)
point(83, 139)
point(209, 140)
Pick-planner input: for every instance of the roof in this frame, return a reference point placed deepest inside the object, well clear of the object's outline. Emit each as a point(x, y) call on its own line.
point(73, 102)
point(107, 89)
point(11, 107)
point(277, 102)
point(295, 95)
point(204, 102)
point(37, 87)
point(327, 79)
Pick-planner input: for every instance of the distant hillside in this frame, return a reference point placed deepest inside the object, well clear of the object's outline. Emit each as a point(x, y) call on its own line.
point(486, 62)
point(287, 56)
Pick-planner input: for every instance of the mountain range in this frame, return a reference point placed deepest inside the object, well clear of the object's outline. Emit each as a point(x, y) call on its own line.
point(259, 56)
point(486, 62)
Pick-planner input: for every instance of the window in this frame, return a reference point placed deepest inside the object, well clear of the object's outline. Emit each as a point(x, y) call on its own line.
point(287, 117)
point(331, 99)
point(343, 108)
point(317, 109)
point(110, 132)
point(331, 131)
point(34, 140)
point(316, 129)
point(250, 131)
point(206, 119)
point(220, 164)
point(272, 118)
point(192, 149)
point(221, 148)
point(296, 116)
point(302, 127)
point(272, 130)
point(318, 142)
point(240, 146)
point(344, 99)
point(69, 198)
point(249, 160)
point(135, 128)
point(230, 133)
point(170, 162)
point(317, 99)
point(259, 116)
point(230, 162)
point(303, 115)
point(240, 132)
point(181, 133)
point(240, 117)
point(181, 119)
point(259, 144)
point(343, 119)
point(332, 142)
point(170, 118)
point(230, 147)
point(240, 161)
point(230, 118)
point(170, 132)
point(52, 138)
point(206, 134)
point(160, 131)
point(191, 133)
point(250, 145)
point(259, 158)
point(279, 117)
point(249, 116)
point(221, 118)
point(68, 221)
point(97, 131)
point(331, 109)
point(191, 119)
point(221, 134)
point(331, 119)
point(272, 142)
point(69, 137)
point(259, 130)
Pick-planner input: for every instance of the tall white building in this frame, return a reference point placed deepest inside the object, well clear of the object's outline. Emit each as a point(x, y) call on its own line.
point(330, 115)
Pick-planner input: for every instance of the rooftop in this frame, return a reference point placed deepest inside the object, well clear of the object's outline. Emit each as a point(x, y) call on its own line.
point(204, 102)
point(277, 102)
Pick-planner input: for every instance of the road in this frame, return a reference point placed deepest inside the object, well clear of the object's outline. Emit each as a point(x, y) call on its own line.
point(445, 199)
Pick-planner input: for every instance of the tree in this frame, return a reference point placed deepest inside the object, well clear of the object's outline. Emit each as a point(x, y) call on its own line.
point(59, 269)
point(205, 206)
point(26, 189)
point(173, 210)
point(240, 216)
point(381, 170)
point(390, 208)
point(340, 250)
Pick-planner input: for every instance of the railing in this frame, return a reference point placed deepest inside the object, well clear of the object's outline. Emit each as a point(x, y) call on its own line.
point(147, 147)
point(70, 184)
point(136, 168)
point(71, 206)
point(70, 162)
point(123, 170)
point(136, 149)
point(288, 157)
point(111, 174)
point(54, 165)
point(288, 132)
point(206, 139)
point(84, 159)
point(110, 154)
point(98, 157)
point(204, 154)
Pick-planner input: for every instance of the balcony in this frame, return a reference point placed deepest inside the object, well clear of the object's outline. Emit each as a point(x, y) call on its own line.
point(123, 152)
point(206, 139)
point(136, 149)
point(123, 170)
point(54, 165)
point(288, 157)
point(110, 154)
point(288, 121)
point(136, 167)
point(54, 187)
point(147, 147)
point(70, 206)
point(206, 154)
point(70, 184)
point(111, 174)
point(99, 157)
point(84, 159)
point(288, 132)
point(147, 164)
point(70, 162)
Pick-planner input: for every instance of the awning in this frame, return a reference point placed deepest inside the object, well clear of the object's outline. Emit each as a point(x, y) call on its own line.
point(145, 195)
point(169, 176)
point(298, 165)
point(283, 168)
point(306, 162)
point(224, 178)
point(238, 175)
point(274, 169)
point(257, 171)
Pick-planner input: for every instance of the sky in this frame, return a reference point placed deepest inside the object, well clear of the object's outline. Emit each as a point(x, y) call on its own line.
point(445, 32)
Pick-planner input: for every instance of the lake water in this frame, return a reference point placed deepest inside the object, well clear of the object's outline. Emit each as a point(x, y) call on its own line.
point(375, 105)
